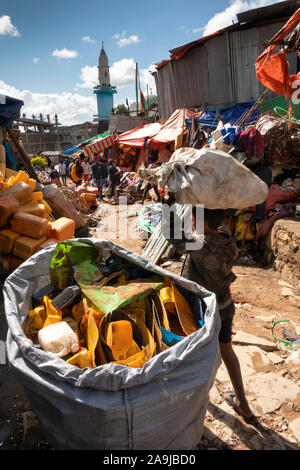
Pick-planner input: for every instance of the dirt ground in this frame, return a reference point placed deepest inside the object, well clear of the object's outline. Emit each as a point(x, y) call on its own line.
point(258, 300)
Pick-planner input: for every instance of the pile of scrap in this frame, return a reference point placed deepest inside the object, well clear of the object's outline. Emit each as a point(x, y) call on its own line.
point(281, 143)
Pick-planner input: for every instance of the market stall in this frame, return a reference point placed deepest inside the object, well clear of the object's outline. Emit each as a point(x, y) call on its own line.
point(99, 144)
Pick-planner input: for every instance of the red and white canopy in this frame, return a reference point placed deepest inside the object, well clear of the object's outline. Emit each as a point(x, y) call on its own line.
point(99, 145)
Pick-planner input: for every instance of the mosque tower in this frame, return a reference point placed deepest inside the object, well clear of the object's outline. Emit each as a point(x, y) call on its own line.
point(104, 90)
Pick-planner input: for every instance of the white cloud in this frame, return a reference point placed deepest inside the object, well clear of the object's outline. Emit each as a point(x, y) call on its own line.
point(65, 53)
point(71, 108)
point(36, 60)
point(88, 77)
point(226, 17)
point(7, 28)
point(122, 74)
point(87, 39)
point(148, 79)
point(126, 41)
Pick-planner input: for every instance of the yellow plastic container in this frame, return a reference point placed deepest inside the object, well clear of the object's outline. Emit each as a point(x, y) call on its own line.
point(38, 316)
point(10, 180)
point(33, 209)
point(119, 338)
point(62, 229)
point(21, 191)
point(32, 183)
point(4, 185)
point(53, 315)
point(81, 359)
point(8, 206)
point(7, 241)
point(242, 229)
point(37, 197)
point(21, 176)
point(9, 172)
point(29, 225)
point(89, 197)
point(47, 207)
point(26, 247)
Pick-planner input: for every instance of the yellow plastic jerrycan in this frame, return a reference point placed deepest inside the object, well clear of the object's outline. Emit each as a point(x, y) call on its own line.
point(137, 360)
point(167, 297)
point(119, 338)
point(53, 315)
point(38, 316)
point(21, 176)
point(92, 337)
point(81, 359)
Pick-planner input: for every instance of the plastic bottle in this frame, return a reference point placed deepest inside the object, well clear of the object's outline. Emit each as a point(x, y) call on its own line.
point(59, 339)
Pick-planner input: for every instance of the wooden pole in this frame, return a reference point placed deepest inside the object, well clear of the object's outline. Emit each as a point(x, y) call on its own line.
point(147, 96)
point(23, 155)
point(136, 89)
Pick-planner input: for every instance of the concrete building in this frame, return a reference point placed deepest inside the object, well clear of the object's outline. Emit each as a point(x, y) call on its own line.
point(39, 135)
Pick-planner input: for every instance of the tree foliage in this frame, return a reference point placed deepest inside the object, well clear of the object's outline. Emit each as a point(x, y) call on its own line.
point(121, 109)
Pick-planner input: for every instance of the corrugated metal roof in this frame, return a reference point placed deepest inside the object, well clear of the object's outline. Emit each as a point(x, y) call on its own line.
point(280, 10)
point(270, 12)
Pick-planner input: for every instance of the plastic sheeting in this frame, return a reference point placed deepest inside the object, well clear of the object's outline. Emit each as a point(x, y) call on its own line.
point(227, 115)
point(174, 126)
point(159, 406)
point(67, 152)
point(9, 110)
point(136, 137)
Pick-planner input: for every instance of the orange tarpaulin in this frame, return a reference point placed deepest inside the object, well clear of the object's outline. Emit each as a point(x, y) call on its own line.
point(174, 126)
point(272, 69)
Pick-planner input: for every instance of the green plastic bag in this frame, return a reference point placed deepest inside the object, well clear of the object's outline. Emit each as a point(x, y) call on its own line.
point(67, 255)
point(108, 298)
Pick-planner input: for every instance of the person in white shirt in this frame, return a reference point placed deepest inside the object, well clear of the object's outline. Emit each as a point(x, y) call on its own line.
point(62, 171)
point(86, 169)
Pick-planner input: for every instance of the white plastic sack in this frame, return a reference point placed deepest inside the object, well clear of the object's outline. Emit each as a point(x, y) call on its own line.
point(159, 406)
point(210, 177)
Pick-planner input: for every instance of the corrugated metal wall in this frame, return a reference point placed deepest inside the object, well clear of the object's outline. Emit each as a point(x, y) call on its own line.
point(219, 73)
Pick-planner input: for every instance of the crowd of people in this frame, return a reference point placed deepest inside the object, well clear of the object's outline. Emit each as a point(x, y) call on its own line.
point(100, 171)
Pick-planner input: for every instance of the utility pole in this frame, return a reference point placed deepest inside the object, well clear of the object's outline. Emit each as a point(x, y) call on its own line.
point(136, 89)
point(147, 96)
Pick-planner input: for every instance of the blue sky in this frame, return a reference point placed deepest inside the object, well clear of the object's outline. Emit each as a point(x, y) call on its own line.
point(49, 49)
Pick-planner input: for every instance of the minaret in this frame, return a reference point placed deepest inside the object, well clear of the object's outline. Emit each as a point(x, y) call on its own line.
point(103, 68)
point(104, 90)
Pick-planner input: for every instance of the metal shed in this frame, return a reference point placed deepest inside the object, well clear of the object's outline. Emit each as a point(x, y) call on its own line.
point(218, 70)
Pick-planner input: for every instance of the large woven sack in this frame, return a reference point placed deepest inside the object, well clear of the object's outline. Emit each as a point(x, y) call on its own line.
point(161, 405)
point(210, 177)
